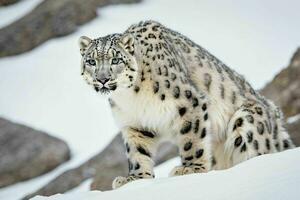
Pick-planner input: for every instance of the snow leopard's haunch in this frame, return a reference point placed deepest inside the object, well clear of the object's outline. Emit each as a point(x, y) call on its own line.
point(162, 86)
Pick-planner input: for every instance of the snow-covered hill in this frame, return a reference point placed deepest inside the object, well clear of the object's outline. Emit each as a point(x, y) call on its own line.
point(275, 176)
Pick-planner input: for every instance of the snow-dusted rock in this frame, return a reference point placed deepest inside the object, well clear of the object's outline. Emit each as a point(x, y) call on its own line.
point(48, 20)
point(26, 153)
point(287, 83)
point(272, 176)
point(7, 2)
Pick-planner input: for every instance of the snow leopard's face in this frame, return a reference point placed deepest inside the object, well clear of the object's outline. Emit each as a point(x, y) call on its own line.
point(108, 63)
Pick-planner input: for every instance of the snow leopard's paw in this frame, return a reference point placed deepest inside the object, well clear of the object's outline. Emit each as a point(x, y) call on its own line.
point(120, 181)
point(183, 170)
point(180, 170)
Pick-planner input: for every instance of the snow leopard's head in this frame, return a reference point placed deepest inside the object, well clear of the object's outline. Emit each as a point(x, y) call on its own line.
point(108, 63)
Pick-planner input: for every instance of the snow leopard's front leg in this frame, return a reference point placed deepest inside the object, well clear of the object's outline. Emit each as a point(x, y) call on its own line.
point(193, 138)
point(140, 147)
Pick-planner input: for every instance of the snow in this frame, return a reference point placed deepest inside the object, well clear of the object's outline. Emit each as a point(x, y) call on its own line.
point(19, 190)
point(43, 88)
point(84, 186)
point(272, 176)
point(293, 119)
point(9, 14)
point(163, 170)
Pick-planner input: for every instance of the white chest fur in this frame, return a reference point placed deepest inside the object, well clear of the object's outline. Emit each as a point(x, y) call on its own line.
point(143, 110)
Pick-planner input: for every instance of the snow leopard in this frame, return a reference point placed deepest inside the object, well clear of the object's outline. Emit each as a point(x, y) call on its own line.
point(162, 86)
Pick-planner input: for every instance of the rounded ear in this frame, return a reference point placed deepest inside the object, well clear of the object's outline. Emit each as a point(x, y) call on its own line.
point(127, 42)
point(84, 42)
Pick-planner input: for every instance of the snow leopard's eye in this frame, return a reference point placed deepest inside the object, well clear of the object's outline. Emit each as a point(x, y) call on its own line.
point(115, 61)
point(91, 62)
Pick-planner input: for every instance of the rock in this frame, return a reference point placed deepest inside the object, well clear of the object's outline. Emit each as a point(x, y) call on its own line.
point(294, 130)
point(284, 88)
point(26, 153)
point(104, 167)
point(111, 160)
point(8, 2)
point(48, 20)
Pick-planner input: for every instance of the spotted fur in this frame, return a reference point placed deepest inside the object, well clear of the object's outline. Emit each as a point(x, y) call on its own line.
point(162, 85)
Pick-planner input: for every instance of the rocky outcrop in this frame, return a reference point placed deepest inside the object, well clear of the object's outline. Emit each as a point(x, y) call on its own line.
point(26, 153)
point(294, 130)
point(104, 167)
point(49, 19)
point(7, 2)
point(284, 90)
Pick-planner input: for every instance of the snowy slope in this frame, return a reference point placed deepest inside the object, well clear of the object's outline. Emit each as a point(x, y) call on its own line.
point(43, 88)
point(9, 14)
point(275, 176)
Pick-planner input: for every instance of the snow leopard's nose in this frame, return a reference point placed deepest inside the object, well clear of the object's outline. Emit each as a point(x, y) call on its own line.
point(103, 80)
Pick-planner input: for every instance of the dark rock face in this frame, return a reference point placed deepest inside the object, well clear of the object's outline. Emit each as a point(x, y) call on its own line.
point(103, 167)
point(48, 20)
point(26, 153)
point(284, 90)
point(110, 161)
point(7, 2)
point(294, 130)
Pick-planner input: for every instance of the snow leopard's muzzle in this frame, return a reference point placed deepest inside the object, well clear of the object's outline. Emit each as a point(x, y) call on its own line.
point(105, 85)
